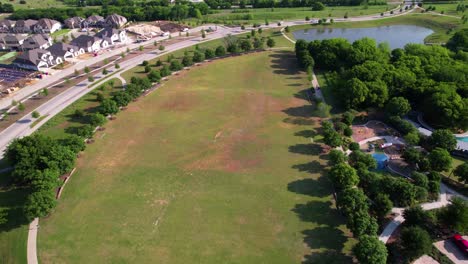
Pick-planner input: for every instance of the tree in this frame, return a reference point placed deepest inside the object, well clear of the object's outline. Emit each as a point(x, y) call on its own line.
point(397, 106)
point(165, 71)
point(348, 118)
point(105, 71)
point(412, 138)
point(270, 42)
point(45, 180)
point(333, 139)
point(370, 250)
point(122, 98)
point(462, 172)
point(161, 47)
point(420, 179)
point(35, 114)
point(100, 97)
point(359, 157)
point(117, 66)
point(382, 205)
point(97, 119)
point(459, 41)
point(187, 60)
point(443, 138)
point(455, 215)
point(108, 107)
point(352, 200)
point(147, 69)
point(90, 79)
point(154, 76)
point(87, 70)
point(220, 51)
point(74, 143)
point(145, 63)
point(159, 63)
point(245, 45)
point(336, 156)
point(45, 92)
point(411, 155)
point(317, 6)
point(21, 107)
point(343, 176)
point(416, 216)
point(39, 204)
point(141, 48)
point(203, 33)
point(415, 241)
point(361, 223)
point(85, 131)
point(209, 54)
point(440, 159)
point(176, 65)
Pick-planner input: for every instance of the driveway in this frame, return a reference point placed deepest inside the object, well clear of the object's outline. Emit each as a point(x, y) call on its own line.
point(449, 249)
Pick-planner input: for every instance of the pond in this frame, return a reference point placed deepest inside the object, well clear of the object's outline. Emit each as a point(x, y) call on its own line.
point(396, 36)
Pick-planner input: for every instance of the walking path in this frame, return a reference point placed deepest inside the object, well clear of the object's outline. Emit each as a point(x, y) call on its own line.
point(32, 238)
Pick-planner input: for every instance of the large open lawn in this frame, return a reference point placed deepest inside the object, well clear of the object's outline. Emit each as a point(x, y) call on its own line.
point(217, 166)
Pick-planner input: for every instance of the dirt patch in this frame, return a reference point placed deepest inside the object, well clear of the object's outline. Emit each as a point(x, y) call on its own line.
point(180, 101)
point(236, 147)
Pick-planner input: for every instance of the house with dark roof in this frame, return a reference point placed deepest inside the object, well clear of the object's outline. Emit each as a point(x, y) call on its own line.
point(6, 25)
point(36, 41)
point(93, 21)
point(115, 21)
point(89, 43)
point(112, 35)
point(24, 26)
point(65, 51)
point(46, 25)
point(74, 22)
point(14, 41)
point(36, 59)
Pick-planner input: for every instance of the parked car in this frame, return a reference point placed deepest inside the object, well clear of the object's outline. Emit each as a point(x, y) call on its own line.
point(461, 243)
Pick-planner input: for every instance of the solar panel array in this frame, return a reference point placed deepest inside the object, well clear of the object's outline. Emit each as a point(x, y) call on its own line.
point(12, 75)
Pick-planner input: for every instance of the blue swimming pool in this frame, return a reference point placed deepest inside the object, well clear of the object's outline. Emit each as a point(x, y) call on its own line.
point(381, 159)
point(464, 139)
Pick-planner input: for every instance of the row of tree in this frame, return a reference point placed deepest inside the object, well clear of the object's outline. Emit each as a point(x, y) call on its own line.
point(431, 78)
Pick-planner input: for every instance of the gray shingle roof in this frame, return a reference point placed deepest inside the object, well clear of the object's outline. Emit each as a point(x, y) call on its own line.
point(60, 49)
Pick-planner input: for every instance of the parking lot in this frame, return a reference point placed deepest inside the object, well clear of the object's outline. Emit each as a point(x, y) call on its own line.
point(448, 248)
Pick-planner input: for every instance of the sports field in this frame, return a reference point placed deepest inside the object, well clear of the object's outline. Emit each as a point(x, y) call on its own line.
point(217, 166)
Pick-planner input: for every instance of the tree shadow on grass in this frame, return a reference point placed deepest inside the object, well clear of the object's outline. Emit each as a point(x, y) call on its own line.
point(299, 121)
point(284, 62)
point(326, 236)
point(306, 149)
point(12, 199)
point(316, 188)
point(306, 133)
point(300, 111)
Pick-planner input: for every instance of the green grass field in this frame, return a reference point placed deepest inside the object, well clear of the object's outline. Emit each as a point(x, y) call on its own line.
point(444, 27)
point(34, 3)
point(216, 166)
point(277, 14)
point(447, 8)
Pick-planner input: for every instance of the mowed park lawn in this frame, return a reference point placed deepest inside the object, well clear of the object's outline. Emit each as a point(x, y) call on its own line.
point(216, 166)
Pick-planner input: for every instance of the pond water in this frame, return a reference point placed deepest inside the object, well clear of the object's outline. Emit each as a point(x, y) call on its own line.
point(396, 36)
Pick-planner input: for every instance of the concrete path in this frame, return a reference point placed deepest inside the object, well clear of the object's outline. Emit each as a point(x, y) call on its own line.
point(32, 242)
point(389, 139)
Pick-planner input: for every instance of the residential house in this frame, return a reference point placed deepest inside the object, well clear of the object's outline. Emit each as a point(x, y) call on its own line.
point(115, 21)
point(112, 35)
point(93, 21)
point(6, 25)
point(36, 59)
point(36, 41)
point(14, 41)
point(88, 43)
point(24, 26)
point(46, 25)
point(74, 22)
point(65, 51)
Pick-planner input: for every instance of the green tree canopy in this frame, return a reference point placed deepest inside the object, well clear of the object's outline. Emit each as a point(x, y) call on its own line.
point(370, 250)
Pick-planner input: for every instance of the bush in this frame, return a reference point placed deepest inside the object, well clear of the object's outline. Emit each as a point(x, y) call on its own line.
point(35, 114)
point(176, 65)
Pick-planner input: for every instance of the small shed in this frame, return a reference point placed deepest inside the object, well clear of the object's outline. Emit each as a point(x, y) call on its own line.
point(381, 159)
